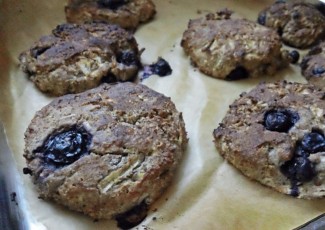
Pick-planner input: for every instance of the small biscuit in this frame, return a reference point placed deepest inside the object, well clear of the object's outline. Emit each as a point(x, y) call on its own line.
point(274, 134)
point(313, 65)
point(107, 151)
point(299, 24)
point(126, 13)
point(75, 58)
point(231, 49)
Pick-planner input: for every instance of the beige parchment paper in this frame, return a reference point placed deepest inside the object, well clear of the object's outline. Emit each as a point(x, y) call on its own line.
point(207, 193)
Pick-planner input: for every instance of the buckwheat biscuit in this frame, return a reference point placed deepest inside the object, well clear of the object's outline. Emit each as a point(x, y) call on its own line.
point(313, 65)
point(75, 58)
point(108, 152)
point(126, 13)
point(299, 24)
point(231, 49)
point(274, 134)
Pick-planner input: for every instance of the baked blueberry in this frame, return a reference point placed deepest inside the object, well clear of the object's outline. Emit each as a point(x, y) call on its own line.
point(128, 58)
point(112, 4)
point(133, 217)
point(65, 147)
point(313, 142)
point(161, 67)
point(318, 70)
point(280, 120)
point(237, 74)
point(299, 169)
point(261, 19)
point(294, 56)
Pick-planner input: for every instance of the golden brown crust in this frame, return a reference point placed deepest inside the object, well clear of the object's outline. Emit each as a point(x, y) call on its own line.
point(138, 139)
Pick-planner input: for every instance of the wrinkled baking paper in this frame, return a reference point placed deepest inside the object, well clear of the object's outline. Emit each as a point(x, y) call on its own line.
point(207, 193)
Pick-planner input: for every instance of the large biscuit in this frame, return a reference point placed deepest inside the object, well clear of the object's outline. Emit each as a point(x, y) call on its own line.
point(274, 134)
point(75, 58)
point(105, 151)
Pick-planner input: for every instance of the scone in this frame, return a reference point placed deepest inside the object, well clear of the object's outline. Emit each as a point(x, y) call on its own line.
point(126, 13)
point(299, 24)
point(274, 134)
point(231, 49)
point(75, 58)
point(313, 65)
point(108, 152)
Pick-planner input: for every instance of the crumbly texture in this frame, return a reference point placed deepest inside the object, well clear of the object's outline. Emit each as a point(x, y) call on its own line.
point(75, 58)
point(299, 24)
point(313, 65)
point(137, 141)
point(259, 153)
point(129, 15)
point(227, 48)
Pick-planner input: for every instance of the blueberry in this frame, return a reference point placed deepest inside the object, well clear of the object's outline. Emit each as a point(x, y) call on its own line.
point(37, 51)
point(280, 1)
point(237, 74)
point(294, 56)
point(161, 67)
point(128, 58)
point(132, 217)
point(318, 70)
point(261, 18)
point(296, 15)
point(313, 142)
point(280, 120)
point(111, 4)
point(298, 169)
point(65, 147)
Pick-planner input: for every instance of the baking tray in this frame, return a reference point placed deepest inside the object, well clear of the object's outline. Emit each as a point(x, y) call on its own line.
point(207, 193)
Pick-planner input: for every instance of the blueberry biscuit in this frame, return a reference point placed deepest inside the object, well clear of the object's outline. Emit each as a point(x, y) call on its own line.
point(274, 134)
point(126, 13)
point(75, 58)
point(313, 65)
point(299, 24)
point(231, 49)
point(108, 152)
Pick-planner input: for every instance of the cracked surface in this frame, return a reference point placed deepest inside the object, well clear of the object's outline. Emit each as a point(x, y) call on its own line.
point(128, 15)
point(258, 153)
point(299, 24)
point(219, 45)
point(313, 66)
point(75, 58)
point(138, 139)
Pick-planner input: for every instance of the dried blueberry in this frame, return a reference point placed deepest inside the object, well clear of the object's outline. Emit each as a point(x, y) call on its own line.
point(237, 74)
point(37, 51)
point(299, 169)
point(111, 4)
point(261, 18)
point(65, 147)
point(128, 58)
point(280, 120)
point(161, 67)
point(318, 70)
point(294, 56)
point(313, 142)
point(133, 217)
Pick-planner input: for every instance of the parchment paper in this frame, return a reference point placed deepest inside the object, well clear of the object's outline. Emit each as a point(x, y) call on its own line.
point(207, 193)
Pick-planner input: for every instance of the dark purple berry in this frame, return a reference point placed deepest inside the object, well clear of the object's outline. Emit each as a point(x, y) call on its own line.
point(133, 217)
point(37, 51)
point(318, 70)
point(27, 171)
point(296, 15)
point(313, 142)
point(65, 147)
point(237, 74)
point(111, 4)
point(280, 120)
point(161, 67)
point(128, 58)
point(294, 56)
point(299, 169)
point(261, 18)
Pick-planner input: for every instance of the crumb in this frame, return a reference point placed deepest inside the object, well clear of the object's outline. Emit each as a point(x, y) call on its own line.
point(154, 218)
point(13, 196)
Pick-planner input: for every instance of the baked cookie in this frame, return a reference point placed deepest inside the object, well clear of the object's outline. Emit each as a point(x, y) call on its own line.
point(126, 13)
point(107, 151)
point(274, 134)
point(232, 49)
point(313, 65)
point(299, 24)
point(75, 58)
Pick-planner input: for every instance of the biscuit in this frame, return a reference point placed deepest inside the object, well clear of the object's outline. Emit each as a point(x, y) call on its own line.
point(232, 49)
point(75, 58)
point(126, 13)
point(274, 134)
point(299, 24)
point(313, 65)
point(106, 151)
